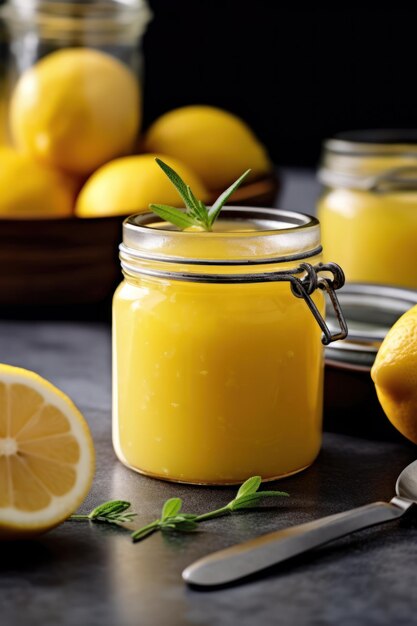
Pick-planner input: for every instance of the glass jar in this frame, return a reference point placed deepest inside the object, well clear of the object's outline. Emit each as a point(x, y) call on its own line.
point(368, 210)
point(218, 363)
point(40, 27)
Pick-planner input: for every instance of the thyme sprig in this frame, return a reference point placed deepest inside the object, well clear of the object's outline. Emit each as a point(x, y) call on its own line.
point(172, 518)
point(112, 512)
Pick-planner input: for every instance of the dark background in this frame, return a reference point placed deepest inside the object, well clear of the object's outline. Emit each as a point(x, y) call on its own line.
point(295, 76)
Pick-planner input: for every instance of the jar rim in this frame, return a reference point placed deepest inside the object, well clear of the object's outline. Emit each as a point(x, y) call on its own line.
point(75, 16)
point(64, 7)
point(141, 222)
point(380, 160)
point(373, 142)
point(294, 236)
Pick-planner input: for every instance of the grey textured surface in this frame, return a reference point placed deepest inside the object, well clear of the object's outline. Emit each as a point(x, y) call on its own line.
point(88, 575)
point(300, 190)
point(92, 575)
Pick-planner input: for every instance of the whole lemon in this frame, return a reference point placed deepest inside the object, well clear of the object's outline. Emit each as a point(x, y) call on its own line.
point(75, 109)
point(217, 145)
point(395, 374)
point(29, 190)
point(129, 184)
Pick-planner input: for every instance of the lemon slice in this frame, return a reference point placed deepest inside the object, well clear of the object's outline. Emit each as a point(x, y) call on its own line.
point(46, 454)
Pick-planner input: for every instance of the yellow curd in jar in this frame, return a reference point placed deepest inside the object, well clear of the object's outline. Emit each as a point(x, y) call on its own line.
point(368, 211)
point(213, 382)
point(373, 237)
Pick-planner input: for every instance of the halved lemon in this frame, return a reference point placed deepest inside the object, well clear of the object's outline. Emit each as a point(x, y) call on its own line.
point(46, 454)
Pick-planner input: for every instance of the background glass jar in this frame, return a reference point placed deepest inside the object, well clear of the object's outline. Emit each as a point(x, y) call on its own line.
point(218, 365)
point(368, 211)
point(38, 27)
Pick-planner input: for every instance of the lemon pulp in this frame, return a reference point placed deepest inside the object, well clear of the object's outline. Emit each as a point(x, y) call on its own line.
point(46, 454)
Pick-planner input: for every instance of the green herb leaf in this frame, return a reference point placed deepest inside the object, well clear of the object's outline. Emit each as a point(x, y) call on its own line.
point(116, 511)
point(171, 508)
point(249, 486)
point(112, 512)
point(246, 497)
point(199, 208)
point(112, 507)
point(184, 526)
point(177, 181)
point(253, 499)
point(196, 213)
point(223, 198)
point(183, 522)
point(173, 215)
point(145, 531)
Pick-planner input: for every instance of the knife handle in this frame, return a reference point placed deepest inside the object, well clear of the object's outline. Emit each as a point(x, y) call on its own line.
point(252, 556)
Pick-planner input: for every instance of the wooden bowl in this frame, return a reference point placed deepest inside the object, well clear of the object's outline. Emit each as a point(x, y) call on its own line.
point(75, 261)
point(58, 262)
point(262, 192)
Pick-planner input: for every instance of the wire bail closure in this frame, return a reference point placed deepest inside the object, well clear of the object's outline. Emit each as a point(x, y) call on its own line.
point(304, 287)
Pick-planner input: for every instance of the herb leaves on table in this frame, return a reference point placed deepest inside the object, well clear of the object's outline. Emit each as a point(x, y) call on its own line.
point(113, 512)
point(172, 518)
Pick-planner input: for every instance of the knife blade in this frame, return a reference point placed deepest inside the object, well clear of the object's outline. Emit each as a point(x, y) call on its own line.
point(244, 559)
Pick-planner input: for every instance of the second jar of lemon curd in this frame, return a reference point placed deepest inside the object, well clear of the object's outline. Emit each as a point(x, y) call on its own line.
point(217, 344)
point(368, 210)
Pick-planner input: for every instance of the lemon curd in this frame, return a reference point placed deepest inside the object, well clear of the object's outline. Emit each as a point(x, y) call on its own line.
point(215, 382)
point(368, 210)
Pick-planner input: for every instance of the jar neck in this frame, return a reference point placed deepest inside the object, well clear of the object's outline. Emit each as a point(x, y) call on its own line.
point(91, 22)
point(245, 240)
point(379, 161)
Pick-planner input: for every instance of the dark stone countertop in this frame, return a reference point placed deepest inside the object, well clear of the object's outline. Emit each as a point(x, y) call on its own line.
point(81, 575)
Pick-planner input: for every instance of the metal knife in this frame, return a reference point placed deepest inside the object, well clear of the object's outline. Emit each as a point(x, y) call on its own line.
point(242, 560)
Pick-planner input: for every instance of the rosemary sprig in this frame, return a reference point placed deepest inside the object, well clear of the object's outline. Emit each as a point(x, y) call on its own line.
point(196, 213)
point(172, 519)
